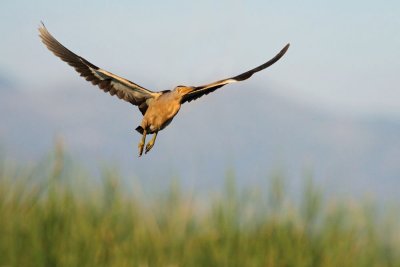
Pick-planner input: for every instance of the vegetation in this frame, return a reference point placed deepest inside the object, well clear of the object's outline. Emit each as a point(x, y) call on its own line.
point(57, 218)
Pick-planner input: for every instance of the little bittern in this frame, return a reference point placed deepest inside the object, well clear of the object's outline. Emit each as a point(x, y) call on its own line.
point(158, 108)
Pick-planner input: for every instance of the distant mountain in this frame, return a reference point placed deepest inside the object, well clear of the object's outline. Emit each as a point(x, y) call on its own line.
point(241, 127)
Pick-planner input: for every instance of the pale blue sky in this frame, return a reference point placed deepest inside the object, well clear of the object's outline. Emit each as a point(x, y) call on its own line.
point(344, 56)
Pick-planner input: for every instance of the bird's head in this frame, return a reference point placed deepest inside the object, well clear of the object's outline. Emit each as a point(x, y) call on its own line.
point(183, 90)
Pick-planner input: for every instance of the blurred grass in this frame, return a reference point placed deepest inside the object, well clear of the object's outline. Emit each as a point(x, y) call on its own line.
point(53, 216)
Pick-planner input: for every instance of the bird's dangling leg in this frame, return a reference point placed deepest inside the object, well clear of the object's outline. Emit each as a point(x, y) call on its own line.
point(151, 143)
point(141, 143)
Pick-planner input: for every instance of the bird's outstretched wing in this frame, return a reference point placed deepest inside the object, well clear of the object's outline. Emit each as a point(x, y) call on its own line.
point(199, 91)
point(108, 82)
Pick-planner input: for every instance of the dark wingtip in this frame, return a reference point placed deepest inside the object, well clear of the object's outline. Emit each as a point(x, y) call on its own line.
point(283, 51)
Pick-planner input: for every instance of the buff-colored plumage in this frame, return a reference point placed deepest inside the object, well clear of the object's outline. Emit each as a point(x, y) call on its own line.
point(158, 108)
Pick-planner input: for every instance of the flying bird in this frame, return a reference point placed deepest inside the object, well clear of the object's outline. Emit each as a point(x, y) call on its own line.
point(158, 108)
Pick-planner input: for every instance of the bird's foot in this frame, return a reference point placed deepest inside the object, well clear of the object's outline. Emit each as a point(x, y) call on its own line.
point(149, 146)
point(140, 147)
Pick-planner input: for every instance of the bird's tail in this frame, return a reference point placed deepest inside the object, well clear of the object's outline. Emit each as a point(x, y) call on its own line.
point(139, 129)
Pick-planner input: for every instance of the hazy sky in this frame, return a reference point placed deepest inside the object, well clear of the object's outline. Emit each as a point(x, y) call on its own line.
point(344, 55)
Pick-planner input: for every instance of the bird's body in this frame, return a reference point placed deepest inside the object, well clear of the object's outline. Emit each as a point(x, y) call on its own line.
point(158, 108)
point(161, 110)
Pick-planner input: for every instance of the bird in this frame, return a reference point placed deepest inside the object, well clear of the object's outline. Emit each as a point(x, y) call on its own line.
point(157, 107)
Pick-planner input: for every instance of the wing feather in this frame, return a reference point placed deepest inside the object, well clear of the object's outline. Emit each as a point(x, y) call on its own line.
point(199, 91)
point(107, 81)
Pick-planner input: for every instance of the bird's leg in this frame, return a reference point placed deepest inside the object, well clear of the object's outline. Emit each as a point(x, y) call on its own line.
point(141, 143)
point(151, 143)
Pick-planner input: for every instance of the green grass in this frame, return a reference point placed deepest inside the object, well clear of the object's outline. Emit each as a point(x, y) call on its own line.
point(53, 216)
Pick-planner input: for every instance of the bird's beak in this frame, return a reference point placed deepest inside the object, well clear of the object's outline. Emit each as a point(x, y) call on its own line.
point(185, 90)
point(188, 89)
